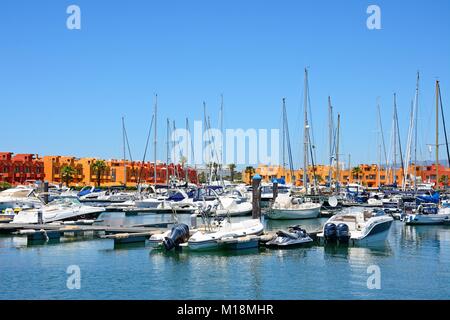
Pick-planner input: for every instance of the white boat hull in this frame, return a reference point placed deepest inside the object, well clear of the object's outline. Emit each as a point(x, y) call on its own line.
point(424, 219)
point(287, 214)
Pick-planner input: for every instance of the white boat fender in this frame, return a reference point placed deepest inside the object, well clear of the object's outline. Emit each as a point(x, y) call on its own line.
point(26, 231)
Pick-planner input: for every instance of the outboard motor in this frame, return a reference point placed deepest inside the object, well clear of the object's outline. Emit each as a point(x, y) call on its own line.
point(329, 232)
point(179, 234)
point(342, 232)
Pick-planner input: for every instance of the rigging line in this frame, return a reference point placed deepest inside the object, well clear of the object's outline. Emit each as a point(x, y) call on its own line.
point(291, 164)
point(312, 160)
point(145, 151)
point(382, 135)
point(443, 122)
point(399, 140)
point(310, 118)
point(128, 144)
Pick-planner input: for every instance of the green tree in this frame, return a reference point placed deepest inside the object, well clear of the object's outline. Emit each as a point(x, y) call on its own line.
point(232, 168)
point(99, 167)
point(202, 177)
point(318, 178)
point(67, 173)
point(5, 185)
point(444, 180)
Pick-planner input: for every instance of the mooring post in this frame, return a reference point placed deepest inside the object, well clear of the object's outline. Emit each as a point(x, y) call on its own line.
point(45, 192)
point(256, 194)
point(274, 190)
point(40, 218)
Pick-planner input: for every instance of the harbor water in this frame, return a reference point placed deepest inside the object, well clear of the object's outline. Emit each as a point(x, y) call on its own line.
point(413, 264)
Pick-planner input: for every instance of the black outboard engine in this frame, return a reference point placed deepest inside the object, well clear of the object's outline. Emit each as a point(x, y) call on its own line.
point(342, 232)
point(179, 234)
point(329, 232)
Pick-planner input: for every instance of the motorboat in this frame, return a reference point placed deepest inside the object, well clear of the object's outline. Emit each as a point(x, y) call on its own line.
point(59, 210)
point(228, 206)
point(267, 193)
point(428, 214)
point(286, 207)
point(22, 197)
point(374, 202)
point(293, 237)
point(360, 226)
point(7, 215)
point(209, 237)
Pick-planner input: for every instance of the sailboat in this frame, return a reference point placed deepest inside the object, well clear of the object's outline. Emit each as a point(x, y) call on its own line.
point(285, 206)
point(431, 214)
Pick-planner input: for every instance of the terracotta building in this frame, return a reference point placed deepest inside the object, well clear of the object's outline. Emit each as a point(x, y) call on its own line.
point(20, 168)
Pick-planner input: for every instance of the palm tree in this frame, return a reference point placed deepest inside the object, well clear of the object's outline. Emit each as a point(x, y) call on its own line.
point(356, 171)
point(67, 173)
point(318, 178)
point(250, 171)
point(232, 167)
point(99, 167)
point(444, 180)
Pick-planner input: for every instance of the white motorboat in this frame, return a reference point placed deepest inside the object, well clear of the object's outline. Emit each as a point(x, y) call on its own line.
point(209, 238)
point(148, 203)
point(357, 227)
point(374, 202)
point(428, 215)
point(286, 207)
point(22, 197)
point(59, 210)
point(228, 206)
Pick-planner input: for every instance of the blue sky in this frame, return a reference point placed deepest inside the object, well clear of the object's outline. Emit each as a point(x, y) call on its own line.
point(64, 91)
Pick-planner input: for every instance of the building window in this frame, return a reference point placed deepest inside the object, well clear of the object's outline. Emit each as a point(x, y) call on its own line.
point(16, 169)
point(27, 169)
point(5, 169)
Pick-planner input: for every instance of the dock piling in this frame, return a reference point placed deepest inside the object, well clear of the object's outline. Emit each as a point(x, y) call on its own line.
point(256, 195)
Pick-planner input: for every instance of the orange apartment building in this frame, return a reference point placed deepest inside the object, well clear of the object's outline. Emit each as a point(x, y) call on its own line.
point(22, 168)
point(365, 174)
point(117, 172)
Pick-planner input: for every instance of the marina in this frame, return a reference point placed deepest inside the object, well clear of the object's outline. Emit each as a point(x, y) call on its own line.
point(261, 271)
point(225, 150)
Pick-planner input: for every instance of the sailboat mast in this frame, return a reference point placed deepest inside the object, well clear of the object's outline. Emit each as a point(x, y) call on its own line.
point(187, 151)
point(221, 141)
point(124, 154)
point(167, 152)
point(395, 141)
point(283, 113)
point(338, 180)
point(330, 140)
point(415, 133)
point(437, 133)
point(155, 141)
point(305, 135)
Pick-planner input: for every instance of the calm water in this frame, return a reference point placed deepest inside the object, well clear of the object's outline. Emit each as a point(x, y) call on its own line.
point(414, 264)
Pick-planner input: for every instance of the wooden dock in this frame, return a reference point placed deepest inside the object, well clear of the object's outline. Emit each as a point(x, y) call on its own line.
point(120, 234)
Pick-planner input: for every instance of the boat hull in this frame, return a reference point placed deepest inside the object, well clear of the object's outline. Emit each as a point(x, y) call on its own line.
point(285, 214)
point(426, 219)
